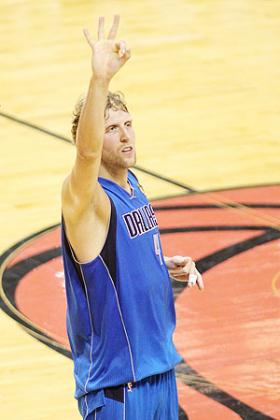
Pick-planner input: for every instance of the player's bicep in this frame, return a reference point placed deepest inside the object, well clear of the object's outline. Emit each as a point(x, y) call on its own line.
point(83, 219)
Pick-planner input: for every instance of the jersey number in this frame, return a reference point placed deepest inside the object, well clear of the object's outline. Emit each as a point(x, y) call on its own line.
point(157, 247)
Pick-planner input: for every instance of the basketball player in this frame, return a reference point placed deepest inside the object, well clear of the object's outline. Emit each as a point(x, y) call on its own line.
point(120, 308)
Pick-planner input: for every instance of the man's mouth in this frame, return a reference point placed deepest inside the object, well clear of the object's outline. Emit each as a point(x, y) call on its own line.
point(127, 149)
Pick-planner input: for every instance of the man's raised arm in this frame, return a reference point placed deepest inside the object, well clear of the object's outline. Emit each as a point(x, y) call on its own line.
point(108, 56)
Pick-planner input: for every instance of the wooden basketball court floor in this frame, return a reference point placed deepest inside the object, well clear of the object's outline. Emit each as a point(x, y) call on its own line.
point(203, 88)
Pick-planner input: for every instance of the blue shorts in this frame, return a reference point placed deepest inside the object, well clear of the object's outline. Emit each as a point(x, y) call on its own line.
point(152, 398)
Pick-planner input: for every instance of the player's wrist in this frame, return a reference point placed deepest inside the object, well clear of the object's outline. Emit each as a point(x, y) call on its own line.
point(100, 80)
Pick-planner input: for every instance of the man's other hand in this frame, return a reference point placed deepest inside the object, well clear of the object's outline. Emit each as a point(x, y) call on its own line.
point(183, 269)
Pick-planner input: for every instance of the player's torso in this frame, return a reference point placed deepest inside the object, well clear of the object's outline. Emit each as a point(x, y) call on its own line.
point(137, 242)
point(122, 304)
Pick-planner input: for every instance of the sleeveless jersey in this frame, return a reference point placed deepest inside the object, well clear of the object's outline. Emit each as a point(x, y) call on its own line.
point(120, 306)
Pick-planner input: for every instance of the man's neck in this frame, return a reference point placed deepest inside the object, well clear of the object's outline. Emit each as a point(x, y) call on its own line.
point(118, 176)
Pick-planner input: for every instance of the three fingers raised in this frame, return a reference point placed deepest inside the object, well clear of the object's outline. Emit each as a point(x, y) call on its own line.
point(101, 32)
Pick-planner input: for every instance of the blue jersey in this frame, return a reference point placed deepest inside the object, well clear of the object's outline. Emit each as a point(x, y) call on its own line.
point(120, 307)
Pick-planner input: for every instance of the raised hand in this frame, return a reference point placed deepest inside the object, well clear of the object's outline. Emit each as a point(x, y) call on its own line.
point(108, 55)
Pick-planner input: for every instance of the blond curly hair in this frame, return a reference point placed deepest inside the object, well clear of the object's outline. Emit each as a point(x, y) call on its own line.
point(115, 101)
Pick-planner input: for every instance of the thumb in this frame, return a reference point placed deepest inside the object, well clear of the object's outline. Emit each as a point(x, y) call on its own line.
point(119, 47)
point(122, 49)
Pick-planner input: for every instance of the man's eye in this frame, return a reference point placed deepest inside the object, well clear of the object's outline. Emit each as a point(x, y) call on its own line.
point(113, 127)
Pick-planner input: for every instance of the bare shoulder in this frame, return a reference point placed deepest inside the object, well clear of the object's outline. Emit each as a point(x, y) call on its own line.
point(86, 225)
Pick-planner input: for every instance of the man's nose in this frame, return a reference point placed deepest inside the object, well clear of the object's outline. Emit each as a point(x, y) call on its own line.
point(124, 136)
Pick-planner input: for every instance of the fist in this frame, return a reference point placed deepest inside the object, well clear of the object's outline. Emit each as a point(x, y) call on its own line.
point(183, 269)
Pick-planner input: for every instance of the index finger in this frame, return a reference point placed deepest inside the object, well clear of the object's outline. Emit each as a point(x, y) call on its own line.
point(114, 29)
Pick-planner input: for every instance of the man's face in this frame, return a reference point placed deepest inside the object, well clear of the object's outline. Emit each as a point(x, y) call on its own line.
point(119, 140)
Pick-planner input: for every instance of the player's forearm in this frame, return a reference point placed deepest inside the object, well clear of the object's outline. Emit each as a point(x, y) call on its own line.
point(91, 124)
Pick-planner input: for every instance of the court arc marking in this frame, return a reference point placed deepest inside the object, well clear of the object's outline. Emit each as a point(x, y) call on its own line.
point(201, 384)
point(203, 265)
point(190, 190)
